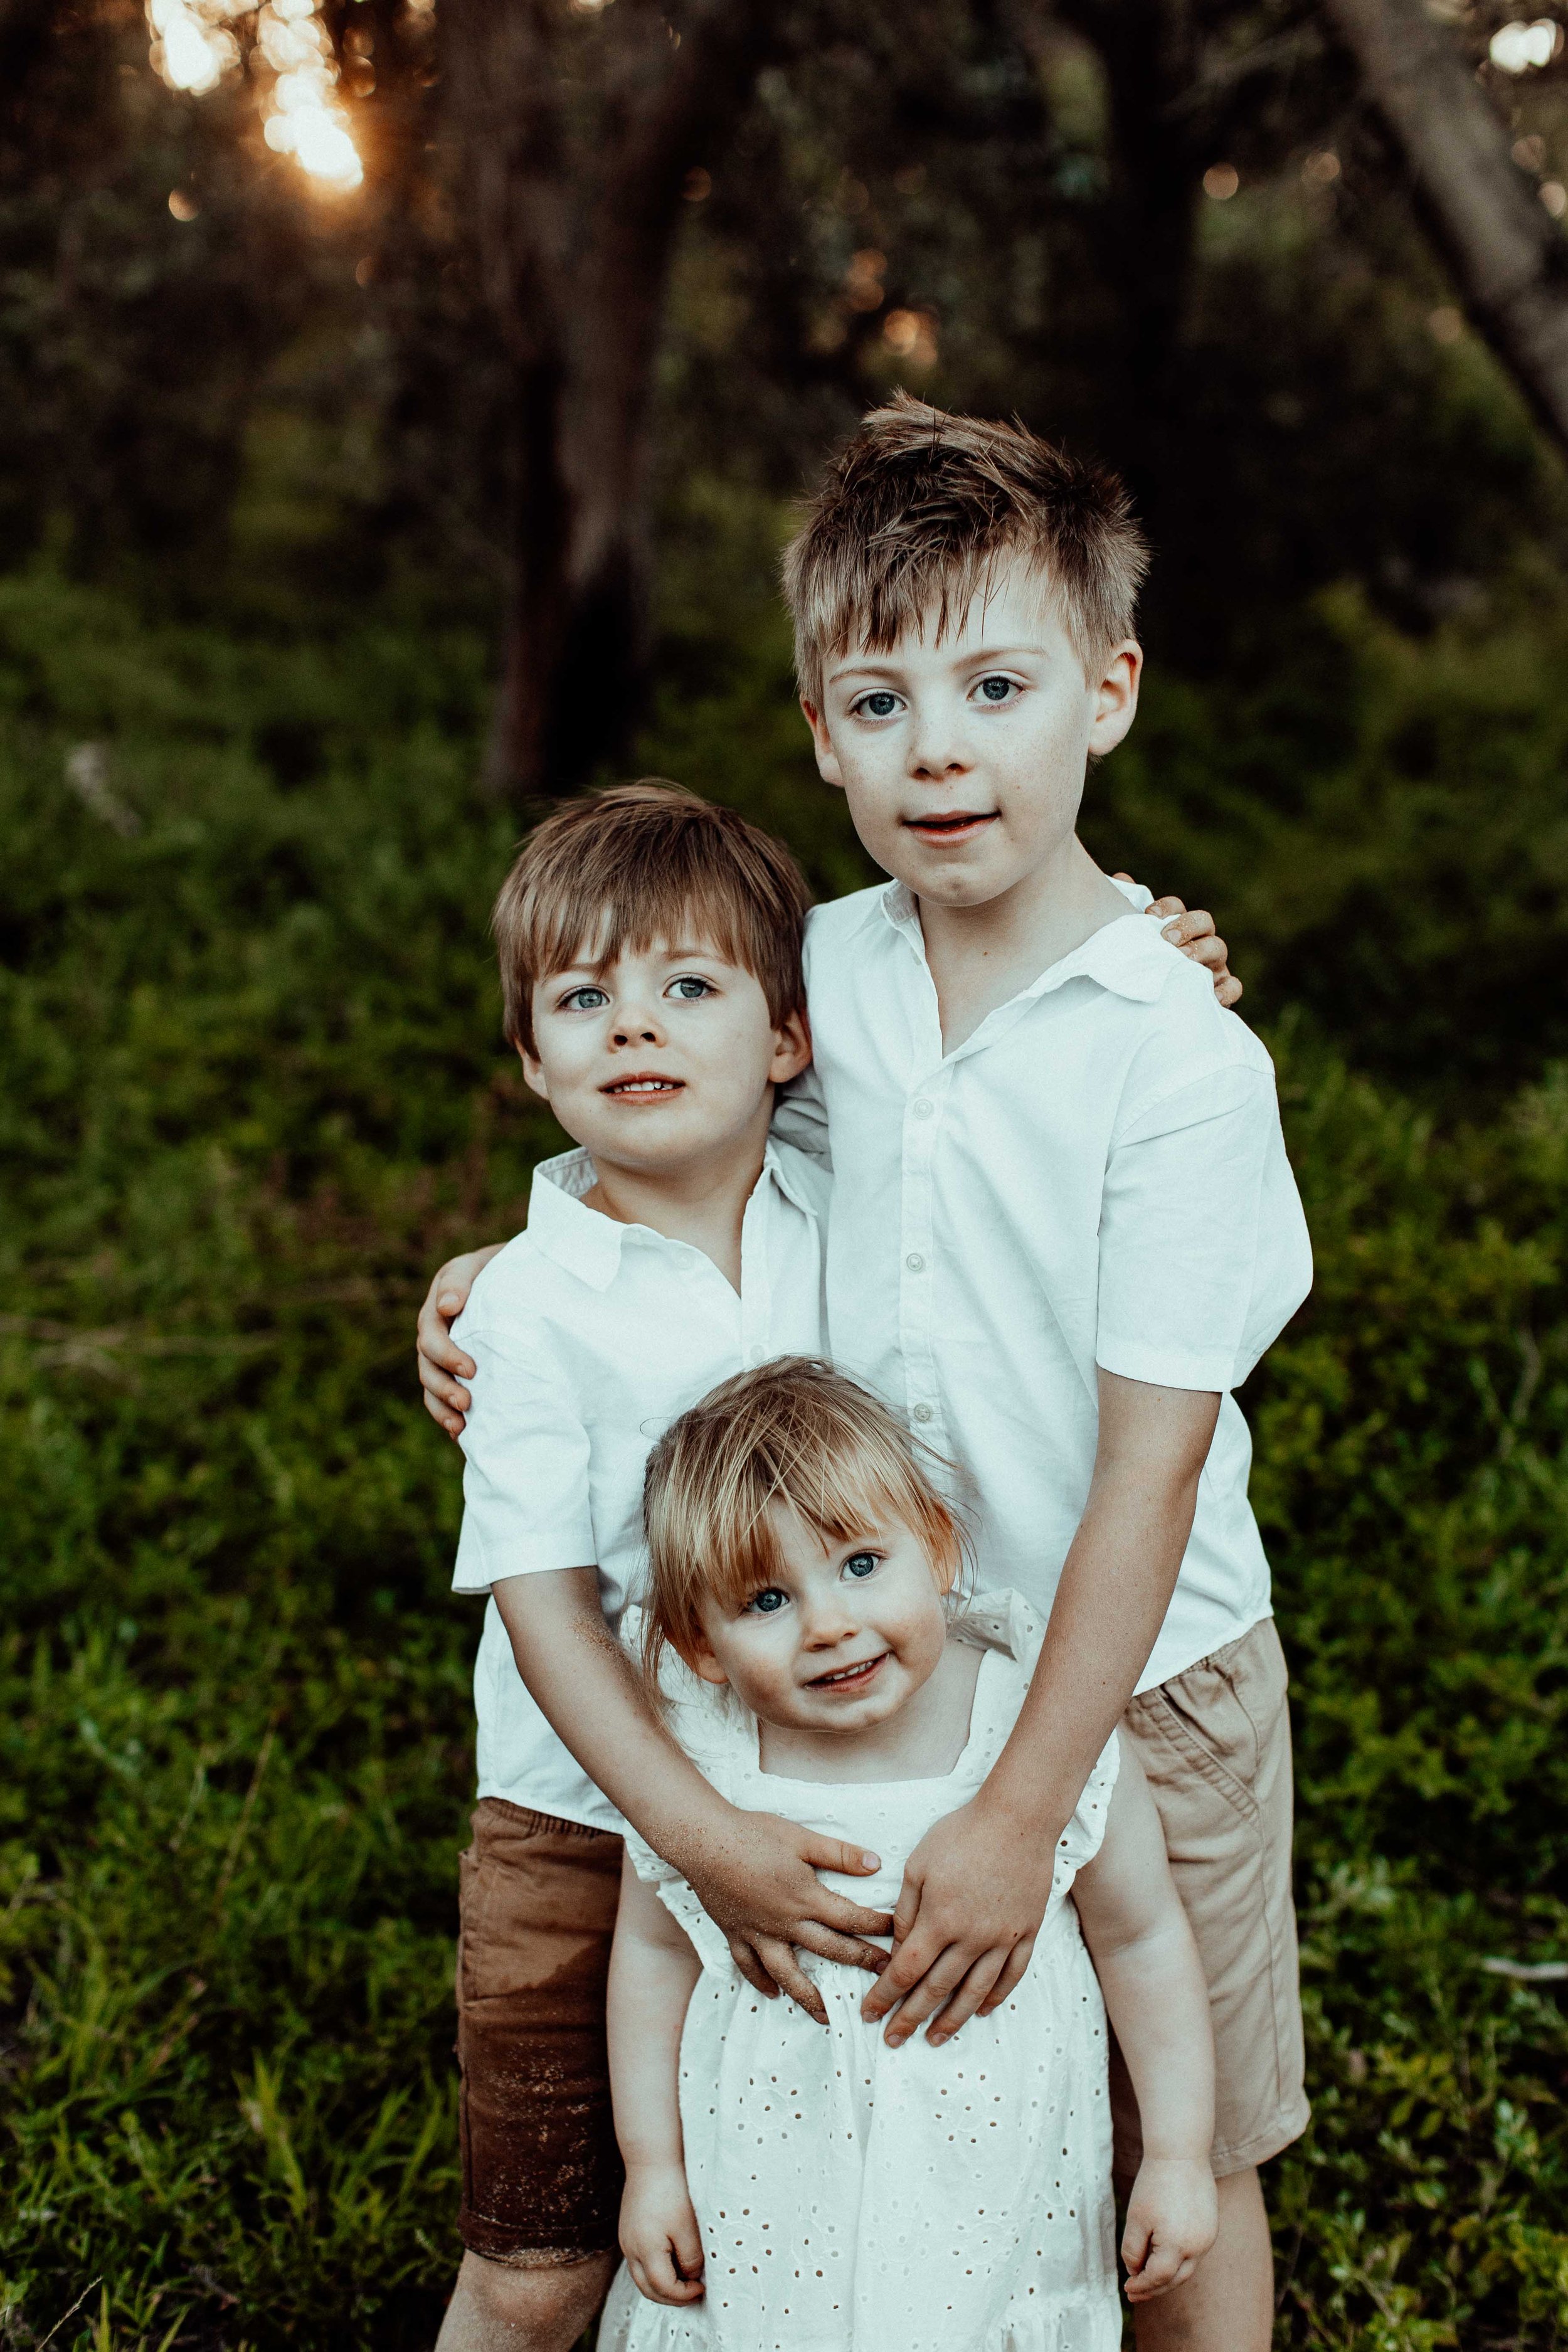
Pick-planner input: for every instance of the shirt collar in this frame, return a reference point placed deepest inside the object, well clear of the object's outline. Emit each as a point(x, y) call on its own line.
point(1130, 959)
point(588, 1243)
point(583, 1241)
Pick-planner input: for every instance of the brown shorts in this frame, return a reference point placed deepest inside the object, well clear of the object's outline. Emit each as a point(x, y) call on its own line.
point(541, 2174)
point(1214, 1744)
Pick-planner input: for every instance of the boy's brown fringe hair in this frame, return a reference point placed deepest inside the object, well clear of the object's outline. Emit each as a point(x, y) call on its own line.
point(640, 865)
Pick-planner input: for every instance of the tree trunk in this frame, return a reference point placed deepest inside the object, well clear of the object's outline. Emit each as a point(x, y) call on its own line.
point(1508, 259)
point(575, 137)
point(1148, 229)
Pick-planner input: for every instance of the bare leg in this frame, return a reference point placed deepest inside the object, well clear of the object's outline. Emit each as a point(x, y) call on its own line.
point(1228, 2304)
point(495, 2308)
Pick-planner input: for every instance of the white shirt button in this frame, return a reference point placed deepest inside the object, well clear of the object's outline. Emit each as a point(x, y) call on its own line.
point(915, 1263)
point(922, 1412)
point(922, 1110)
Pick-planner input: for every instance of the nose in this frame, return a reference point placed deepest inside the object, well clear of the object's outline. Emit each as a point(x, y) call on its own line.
point(827, 1620)
point(938, 749)
point(636, 1025)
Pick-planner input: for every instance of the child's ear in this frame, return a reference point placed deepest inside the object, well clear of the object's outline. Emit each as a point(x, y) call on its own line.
point(702, 1661)
point(792, 1048)
point(533, 1071)
point(827, 766)
point(1116, 698)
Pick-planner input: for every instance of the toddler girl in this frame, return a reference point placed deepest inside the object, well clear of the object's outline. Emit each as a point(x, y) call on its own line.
point(821, 2191)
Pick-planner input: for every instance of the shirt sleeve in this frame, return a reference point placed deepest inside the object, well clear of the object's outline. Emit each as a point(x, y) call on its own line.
point(527, 1503)
point(1202, 1246)
point(800, 1116)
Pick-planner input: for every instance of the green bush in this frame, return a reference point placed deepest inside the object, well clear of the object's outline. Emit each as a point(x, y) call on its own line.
point(1381, 820)
point(254, 1088)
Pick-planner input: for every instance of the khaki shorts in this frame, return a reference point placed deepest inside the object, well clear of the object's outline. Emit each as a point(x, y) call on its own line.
point(1215, 1743)
point(541, 2173)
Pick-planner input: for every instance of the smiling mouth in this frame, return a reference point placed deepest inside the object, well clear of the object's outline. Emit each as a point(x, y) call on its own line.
point(644, 1086)
point(850, 1678)
point(951, 824)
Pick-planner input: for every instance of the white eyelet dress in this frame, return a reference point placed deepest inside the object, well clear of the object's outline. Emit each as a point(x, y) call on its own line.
point(856, 2199)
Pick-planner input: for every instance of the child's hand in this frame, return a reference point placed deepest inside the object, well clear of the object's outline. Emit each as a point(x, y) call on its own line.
point(1171, 2225)
point(441, 1365)
point(756, 1877)
point(658, 2234)
point(1194, 932)
point(974, 1893)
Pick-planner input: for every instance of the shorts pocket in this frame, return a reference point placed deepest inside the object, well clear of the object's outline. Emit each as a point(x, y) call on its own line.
point(1201, 1721)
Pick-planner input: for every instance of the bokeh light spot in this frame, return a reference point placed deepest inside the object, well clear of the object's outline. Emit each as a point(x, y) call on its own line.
point(863, 279)
point(911, 336)
point(1519, 47)
point(193, 48)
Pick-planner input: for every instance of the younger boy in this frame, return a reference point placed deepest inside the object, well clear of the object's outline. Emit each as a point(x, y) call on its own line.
point(650, 956)
point(1064, 1230)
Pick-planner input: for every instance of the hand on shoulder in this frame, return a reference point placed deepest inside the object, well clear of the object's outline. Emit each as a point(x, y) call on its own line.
point(443, 1366)
point(1192, 929)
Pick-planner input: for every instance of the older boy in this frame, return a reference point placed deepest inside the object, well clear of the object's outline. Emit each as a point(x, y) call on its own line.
point(650, 958)
point(1064, 1230)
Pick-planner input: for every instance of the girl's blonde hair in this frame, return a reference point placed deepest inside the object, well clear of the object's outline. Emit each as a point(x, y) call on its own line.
point(793, 1432)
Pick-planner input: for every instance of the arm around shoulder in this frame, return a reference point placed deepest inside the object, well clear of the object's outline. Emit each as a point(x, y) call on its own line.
point(443, 1366)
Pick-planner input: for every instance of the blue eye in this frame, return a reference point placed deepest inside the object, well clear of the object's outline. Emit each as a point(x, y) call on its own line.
point(862, 1563)
point(688, 988)
point(769, 1602)
point(580, 998)
point(879, 705)
point(996, 690)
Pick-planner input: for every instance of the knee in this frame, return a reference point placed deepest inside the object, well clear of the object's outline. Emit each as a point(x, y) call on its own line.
point(538, 2304)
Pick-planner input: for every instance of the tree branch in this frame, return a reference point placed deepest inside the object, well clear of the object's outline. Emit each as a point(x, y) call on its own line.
point(1508, 259)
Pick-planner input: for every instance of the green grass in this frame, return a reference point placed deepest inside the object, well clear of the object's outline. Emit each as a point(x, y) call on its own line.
point(252, 1089)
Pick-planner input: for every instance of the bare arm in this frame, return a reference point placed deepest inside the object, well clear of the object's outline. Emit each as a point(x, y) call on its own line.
point(976, 1886)
point(755, 1874)
point(1155, 1997)
point(1116, 1586)
point(653, 1970)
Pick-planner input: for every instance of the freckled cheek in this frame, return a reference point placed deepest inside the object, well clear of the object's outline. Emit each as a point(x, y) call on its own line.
point(873, 797)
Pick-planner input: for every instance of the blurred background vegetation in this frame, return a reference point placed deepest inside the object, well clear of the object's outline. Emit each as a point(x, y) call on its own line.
point(269, 452)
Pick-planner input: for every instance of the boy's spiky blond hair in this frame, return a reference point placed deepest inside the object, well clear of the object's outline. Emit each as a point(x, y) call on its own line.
point(632, 866)
point(794, 1431)
point(921, 509)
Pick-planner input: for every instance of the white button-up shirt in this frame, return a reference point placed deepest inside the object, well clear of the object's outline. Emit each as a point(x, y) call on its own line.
point(589, 1337)
point(1096, 1177)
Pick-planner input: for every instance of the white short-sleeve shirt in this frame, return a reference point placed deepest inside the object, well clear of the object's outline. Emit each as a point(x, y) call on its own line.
point(1096, 1177)
point(589, 1337)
